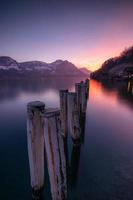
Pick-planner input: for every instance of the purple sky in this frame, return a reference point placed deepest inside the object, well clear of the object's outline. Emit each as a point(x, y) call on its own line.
point(81, 31)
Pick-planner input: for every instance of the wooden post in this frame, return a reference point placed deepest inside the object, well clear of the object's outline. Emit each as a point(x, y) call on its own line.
point(74, 117)
point(82, 90)
point(35, 137)
point(78, 92)
point(83, 97)
point(56, 158)
point(63, 112)
point(87, 82)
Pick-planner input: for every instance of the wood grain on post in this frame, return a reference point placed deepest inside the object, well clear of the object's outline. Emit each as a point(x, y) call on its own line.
point(56, 158)
point(74, 116)
point(35, 138)
point(63, 112)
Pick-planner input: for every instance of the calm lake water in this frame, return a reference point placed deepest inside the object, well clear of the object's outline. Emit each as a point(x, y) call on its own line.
point(101, 169)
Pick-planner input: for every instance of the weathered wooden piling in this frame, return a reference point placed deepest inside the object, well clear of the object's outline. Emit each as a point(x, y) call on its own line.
point(56, 158)
point(63, 112)
point(83, 97)
point(78, 92)
point(74, 117)
point(87, 82)
point(35, 138)
point(82, 90)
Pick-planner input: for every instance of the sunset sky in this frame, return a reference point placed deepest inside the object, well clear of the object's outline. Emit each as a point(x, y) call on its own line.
point(81, 31)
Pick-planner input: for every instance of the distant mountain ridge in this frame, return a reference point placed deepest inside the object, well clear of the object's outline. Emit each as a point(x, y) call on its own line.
point(7, 63)
point(116, 68)
point(85, 70)
point(10, 68)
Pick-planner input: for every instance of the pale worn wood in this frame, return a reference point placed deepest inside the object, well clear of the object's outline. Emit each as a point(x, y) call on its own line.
point(35, 139)
point(56, 158)
point(73, 116)
point(63, 112)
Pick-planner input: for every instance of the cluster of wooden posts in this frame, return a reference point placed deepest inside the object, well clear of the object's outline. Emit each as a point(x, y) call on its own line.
point(47, 131)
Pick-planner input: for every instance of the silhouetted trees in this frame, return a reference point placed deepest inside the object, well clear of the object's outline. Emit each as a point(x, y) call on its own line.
point(124, 62)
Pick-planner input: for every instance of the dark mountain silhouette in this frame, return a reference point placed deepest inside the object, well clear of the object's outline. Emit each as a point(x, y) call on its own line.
point(116, 68)
point(11, 68)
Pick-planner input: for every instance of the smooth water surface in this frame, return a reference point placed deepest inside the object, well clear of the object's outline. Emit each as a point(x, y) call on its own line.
point(101, 169)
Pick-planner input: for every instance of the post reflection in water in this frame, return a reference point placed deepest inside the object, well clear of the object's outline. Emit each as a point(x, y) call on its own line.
point(83, 123)
point(74, 165)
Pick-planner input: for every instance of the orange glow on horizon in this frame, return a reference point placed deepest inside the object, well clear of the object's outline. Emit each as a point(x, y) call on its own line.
point(100, 55)
point(114, 39)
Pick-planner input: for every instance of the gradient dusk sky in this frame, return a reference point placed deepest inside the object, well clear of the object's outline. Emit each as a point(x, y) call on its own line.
point(82, 31)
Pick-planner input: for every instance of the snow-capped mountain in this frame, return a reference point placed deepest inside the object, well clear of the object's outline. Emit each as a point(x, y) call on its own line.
point(10, 67)
point(7, 63)
point(34, 65)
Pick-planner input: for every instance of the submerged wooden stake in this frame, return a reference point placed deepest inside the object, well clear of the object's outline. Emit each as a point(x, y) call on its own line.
point(74, 116)
point(35, 137)
point(63, 112)
point(56, 158)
